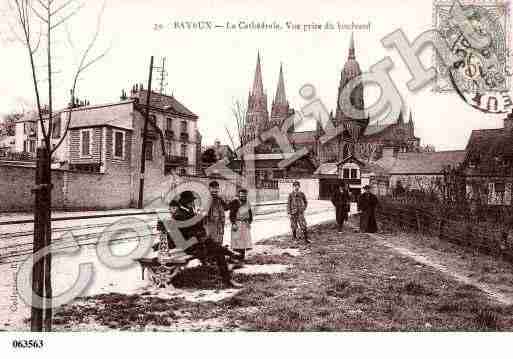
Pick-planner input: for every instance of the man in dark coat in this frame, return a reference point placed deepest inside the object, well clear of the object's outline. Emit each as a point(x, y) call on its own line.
point(367, 206)
point(341, 200)
point(296, 207)
point(205, 248)
point(215, 219)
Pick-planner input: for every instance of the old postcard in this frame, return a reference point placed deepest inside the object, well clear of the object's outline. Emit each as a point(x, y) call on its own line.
point(255, 166)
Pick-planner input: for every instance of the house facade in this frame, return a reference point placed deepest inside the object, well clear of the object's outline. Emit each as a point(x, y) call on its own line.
point(488, 165)
point(351, 171)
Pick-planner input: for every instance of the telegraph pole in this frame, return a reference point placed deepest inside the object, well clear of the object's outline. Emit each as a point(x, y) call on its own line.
point(144, 136)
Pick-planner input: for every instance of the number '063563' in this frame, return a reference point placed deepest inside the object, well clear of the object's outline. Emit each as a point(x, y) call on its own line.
point(27, 344)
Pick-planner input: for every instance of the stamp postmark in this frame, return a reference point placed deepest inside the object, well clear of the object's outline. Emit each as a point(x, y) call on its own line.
point(482, 68)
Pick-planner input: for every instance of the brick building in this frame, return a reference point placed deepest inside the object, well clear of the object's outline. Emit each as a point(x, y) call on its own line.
point(105, 141)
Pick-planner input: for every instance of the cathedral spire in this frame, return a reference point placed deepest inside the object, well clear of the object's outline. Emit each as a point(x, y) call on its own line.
point(280, 97)
point(258, 86)
point(280, 108)
point(351, 48)
point(410, 122)
point(400, 119)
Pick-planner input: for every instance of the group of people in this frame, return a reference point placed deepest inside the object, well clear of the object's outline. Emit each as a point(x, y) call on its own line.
point(208, 231)
point(367, 203)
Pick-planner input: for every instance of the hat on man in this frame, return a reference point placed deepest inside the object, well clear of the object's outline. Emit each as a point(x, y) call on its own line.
point(187, 197)
point(366, 186)
point(296, 183)
point(214, 184)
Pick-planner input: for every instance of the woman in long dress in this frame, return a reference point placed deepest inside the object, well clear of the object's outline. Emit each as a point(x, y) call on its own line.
point(241, 218)
point(367, 205)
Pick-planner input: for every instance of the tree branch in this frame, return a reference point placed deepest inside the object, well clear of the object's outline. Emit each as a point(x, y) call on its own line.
point(81, 68)
point(66, 18)
point(61, 7)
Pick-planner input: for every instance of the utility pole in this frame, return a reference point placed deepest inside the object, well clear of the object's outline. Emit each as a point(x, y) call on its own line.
point(145, 135)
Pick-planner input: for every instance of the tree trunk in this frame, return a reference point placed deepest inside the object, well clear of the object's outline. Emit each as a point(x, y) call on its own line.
point(36, 324)
point(47, 204)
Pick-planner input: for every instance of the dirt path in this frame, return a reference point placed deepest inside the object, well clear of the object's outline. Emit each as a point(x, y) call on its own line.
point(462, 266)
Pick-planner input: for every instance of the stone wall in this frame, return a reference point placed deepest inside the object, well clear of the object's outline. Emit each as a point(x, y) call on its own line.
point(16, 184)
point(71, 190)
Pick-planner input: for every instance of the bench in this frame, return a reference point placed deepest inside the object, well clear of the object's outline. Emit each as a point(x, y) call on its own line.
point(162, 273)
point(163, 268)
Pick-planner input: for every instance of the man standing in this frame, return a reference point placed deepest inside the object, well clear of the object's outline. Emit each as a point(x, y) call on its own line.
point(296, 207)
point(367, 206)
point(215, 219)
point(341, 200)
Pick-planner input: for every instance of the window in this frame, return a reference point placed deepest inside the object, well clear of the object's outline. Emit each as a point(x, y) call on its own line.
point(169, 148)
point(183, 172)
point(119, 144)
point(85, 143)
point(183, 150)
point(56, 127)
point(149, 150)
point(345, 173)
point(500, 189)
point(169, 124)
point(183, 127)
point(32, 146)
point(354, 173)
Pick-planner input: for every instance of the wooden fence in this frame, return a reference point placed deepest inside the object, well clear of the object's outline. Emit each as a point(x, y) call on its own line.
point(488, 230)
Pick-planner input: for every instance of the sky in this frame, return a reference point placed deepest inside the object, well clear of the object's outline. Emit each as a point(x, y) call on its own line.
point(208, 70)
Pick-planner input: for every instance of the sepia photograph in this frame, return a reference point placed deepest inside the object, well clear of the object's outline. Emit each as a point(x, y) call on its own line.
point(244, 166)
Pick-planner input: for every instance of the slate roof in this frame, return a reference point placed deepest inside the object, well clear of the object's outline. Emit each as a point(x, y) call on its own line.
point(421, 162)
point(86, 117)
point(484, 145)
point(327, 169)
point(330, 168)
point(376, 128)
point(164, 102)
point(303, 137)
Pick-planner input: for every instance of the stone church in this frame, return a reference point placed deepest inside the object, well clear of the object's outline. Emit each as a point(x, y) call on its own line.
point(400, 134)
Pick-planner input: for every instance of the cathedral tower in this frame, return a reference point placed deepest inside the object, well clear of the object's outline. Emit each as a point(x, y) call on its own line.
point(350, 71)
point(256, 114)
point(280, 107)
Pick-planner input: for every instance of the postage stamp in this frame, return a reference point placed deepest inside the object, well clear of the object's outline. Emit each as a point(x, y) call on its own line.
point(484, 67)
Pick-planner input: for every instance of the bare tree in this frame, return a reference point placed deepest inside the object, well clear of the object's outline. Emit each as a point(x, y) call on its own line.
point(239, 114)
point(38, 22)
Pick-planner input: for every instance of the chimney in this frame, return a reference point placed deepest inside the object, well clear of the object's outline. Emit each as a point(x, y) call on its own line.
point(508, 121)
